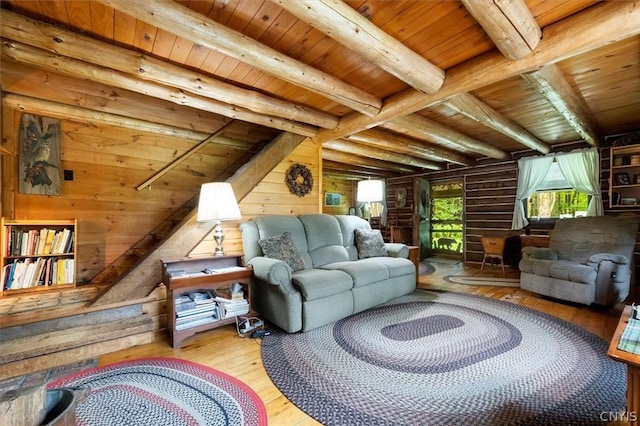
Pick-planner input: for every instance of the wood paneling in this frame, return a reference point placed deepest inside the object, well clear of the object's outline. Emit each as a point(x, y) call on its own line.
point(271, 197)
point(346, 189)
point(110, 161)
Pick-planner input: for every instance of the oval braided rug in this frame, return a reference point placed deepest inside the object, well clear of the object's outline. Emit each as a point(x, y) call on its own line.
point(447, 359)
point(162, 391)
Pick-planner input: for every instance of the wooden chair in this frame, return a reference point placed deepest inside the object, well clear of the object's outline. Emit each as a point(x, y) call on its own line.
point(493, 248)
point(400, 234)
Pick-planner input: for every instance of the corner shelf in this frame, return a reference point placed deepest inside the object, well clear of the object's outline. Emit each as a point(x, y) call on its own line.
point(37, 255)
point(624, 177)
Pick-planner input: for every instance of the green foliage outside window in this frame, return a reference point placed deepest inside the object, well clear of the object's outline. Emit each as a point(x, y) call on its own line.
point(556, 204)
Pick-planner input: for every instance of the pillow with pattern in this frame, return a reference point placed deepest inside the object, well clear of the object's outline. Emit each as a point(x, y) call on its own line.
point(370, 243)
point(281, 247)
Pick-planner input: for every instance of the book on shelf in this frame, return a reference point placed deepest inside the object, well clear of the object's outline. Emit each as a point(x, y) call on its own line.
point(230, 308)
point(202, 297)
point(36, 242)
point(34, 272)
point(195, 308)
point(196, 316)
point(51, 233)
point(195, 323)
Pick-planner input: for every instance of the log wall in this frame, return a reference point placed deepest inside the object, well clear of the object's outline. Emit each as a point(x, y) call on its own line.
point(489, 198)
point(399, 216)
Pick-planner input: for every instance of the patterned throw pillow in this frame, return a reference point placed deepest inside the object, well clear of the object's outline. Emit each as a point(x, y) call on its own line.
point(281, 247)
point(370, 243)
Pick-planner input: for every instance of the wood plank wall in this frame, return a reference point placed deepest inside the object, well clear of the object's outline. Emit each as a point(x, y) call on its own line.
point(344, 187)
point(110, 158)
point(272, 197)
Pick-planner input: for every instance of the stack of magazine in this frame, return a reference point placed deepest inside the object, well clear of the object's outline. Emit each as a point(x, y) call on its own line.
point(196, 308)
point(233, 304)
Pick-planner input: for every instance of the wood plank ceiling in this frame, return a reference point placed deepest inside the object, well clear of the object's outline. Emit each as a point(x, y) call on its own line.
point(388, 87)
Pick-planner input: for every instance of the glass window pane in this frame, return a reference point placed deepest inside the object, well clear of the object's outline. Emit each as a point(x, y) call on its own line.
point(557, 204)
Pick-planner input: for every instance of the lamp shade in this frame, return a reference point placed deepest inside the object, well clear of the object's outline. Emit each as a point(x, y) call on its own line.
point(217, 202)
point(369, 191)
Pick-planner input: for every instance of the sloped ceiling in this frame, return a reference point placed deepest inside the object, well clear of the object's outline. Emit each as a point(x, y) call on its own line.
point(388, 87)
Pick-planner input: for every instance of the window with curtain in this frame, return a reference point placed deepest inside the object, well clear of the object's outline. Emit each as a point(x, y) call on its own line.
point(555, 198)
point(568, 176)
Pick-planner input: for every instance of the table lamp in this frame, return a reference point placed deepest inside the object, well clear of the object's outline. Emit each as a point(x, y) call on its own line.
point(369, 191)
point(217, 202)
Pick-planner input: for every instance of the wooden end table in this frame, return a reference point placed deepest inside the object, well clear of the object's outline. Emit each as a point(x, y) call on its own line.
point(185, 275)
point(633, 369)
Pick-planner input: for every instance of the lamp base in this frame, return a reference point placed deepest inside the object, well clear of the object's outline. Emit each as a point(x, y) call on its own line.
point(218, 235)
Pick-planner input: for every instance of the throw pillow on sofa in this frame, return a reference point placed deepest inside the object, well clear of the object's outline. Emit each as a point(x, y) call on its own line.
point(370, 243)
point(281, 247)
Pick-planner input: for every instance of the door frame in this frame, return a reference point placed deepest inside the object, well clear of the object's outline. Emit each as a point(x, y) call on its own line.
point(422, 208)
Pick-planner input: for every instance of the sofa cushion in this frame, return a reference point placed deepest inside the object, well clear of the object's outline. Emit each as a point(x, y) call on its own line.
point(318, 283)
point(397, 266)
point(560, 269)
point(281, 247)
point(571, 271)
point(348, 225)
point(370, 243)
point(362, 272)
point(324, 239)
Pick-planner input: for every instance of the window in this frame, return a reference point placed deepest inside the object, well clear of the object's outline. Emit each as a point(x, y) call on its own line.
point(556, 199)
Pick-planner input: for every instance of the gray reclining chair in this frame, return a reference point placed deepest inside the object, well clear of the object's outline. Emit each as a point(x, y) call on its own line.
point(589, 260)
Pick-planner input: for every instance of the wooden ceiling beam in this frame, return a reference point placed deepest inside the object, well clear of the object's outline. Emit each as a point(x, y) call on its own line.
point(553, 85)
point(362, 161)
point(418, 126)
point(76, 113)
point(186, 23)
point(473, 108)
point(351, 171)
point(342, 23)
point(400, 143)
point(77, 46)
point(600, 25)
point(25, 54)
point(382, 154)
point(509, 24)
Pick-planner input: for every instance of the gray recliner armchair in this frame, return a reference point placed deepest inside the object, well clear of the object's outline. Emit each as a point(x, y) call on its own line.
point(589, 260)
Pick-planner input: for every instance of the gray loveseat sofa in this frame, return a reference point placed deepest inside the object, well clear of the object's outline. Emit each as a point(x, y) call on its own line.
point(589, 260)
point(328, 280)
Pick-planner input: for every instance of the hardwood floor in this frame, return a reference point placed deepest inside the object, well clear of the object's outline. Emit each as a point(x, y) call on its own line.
point(223, 350)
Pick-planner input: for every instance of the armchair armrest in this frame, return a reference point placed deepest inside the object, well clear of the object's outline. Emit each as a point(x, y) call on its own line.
point(272, 271)
point(618, 259)
point(539, 253)
point(397, 250)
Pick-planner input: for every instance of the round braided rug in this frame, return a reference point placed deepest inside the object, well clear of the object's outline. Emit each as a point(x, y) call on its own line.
point(447, 359)
point(162, 391)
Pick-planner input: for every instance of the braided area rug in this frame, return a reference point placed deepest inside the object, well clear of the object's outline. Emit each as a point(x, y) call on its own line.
point(162, 391)
point(447, 359)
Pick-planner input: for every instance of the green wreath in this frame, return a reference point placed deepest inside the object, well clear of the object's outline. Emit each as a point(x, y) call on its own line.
point(299, 180)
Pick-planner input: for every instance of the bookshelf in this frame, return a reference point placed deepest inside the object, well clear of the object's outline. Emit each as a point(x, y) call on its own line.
point(199, 301)
point(624, 177)
point(37, 255)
